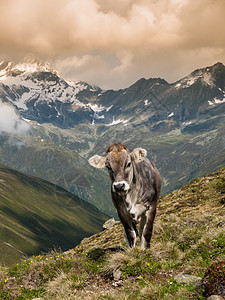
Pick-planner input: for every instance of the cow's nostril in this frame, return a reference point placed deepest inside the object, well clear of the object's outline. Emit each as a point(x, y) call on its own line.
point(132, 216)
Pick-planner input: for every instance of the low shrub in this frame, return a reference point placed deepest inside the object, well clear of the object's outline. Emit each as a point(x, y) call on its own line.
point(213, 281)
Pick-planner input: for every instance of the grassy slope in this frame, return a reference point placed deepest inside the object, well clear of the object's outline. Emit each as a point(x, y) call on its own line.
point(36, 215)
point(52, 156)
point(188, 237)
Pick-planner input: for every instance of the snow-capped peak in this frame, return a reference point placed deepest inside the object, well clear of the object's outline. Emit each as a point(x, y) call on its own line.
point(35, 66)
point(206, 75)
point(206, 78)
point(33, 85)
point(8, 68)
point(36, 82)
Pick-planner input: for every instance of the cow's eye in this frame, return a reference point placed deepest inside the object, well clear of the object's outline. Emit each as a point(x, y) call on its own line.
point(109, 167)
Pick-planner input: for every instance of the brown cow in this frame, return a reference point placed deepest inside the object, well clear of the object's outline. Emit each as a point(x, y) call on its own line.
point(135, 189)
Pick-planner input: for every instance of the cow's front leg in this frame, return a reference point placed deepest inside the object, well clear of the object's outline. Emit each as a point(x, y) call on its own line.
point(146, 227)
point(130, 235)
point(129, 228)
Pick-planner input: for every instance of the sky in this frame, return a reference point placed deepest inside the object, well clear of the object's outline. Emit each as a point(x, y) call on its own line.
point(113, 43)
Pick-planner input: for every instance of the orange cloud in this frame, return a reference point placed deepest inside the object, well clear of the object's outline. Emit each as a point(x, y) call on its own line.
point(113, 43)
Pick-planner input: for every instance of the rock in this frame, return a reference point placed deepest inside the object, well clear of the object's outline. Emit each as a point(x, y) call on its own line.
point(187, 279)
point(117, 274)
point(215, 297)
point(109, 223)
point(117, 283)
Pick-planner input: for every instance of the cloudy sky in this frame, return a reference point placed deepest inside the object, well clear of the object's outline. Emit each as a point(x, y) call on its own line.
point(10, 120)
point(113, 43)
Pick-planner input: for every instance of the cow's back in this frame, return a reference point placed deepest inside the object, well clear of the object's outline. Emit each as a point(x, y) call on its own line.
point(149, 177)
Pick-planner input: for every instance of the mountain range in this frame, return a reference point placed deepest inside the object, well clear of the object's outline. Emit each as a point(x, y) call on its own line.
point(42, 95)
point(180, 124)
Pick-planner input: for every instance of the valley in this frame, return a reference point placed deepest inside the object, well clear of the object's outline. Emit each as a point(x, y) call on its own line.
point(181, 125)
point(38, 216)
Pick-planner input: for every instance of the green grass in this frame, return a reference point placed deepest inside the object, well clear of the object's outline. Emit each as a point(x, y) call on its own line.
point(37, 216)
point(188, 239)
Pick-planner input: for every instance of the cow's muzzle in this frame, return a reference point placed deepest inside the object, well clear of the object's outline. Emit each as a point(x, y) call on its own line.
point(120, 187)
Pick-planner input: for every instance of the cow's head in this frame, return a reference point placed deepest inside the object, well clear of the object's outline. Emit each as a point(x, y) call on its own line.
point(119, 162)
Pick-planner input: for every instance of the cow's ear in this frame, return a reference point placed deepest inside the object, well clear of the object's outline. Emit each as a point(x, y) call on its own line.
point(97, 161)
point(138, 154)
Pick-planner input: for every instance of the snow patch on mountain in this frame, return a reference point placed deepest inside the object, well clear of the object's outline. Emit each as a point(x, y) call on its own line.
point(8, 68)
point(115, 122)
point(78, 86)
point(216, 101)
point(17, 81)
point(204, 75)
point(146, 102)
point(21, 102)
point(23, 77)
point(171, 115)
point(108, 108)
point(35, 67)
point(96, 108)
point(207, 77)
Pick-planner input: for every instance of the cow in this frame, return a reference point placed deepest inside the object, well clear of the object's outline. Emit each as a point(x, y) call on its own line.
point(135, 190)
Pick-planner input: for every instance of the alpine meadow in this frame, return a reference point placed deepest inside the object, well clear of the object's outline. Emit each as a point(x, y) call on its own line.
point(54, 204)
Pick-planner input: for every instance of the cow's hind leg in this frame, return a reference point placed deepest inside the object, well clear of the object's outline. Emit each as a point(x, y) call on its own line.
point(146, 227)
point(142, 224)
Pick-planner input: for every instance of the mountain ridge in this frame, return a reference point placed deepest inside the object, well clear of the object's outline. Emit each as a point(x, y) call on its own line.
point(46, 97)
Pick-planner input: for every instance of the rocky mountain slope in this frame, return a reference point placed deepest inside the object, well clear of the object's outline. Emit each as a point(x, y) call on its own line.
point(42, 95)
point(188, 240)
point(180, 124)
point(38, 216)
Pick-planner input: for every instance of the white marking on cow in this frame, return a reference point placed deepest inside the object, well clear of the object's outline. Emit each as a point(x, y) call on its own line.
point(137, 210)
